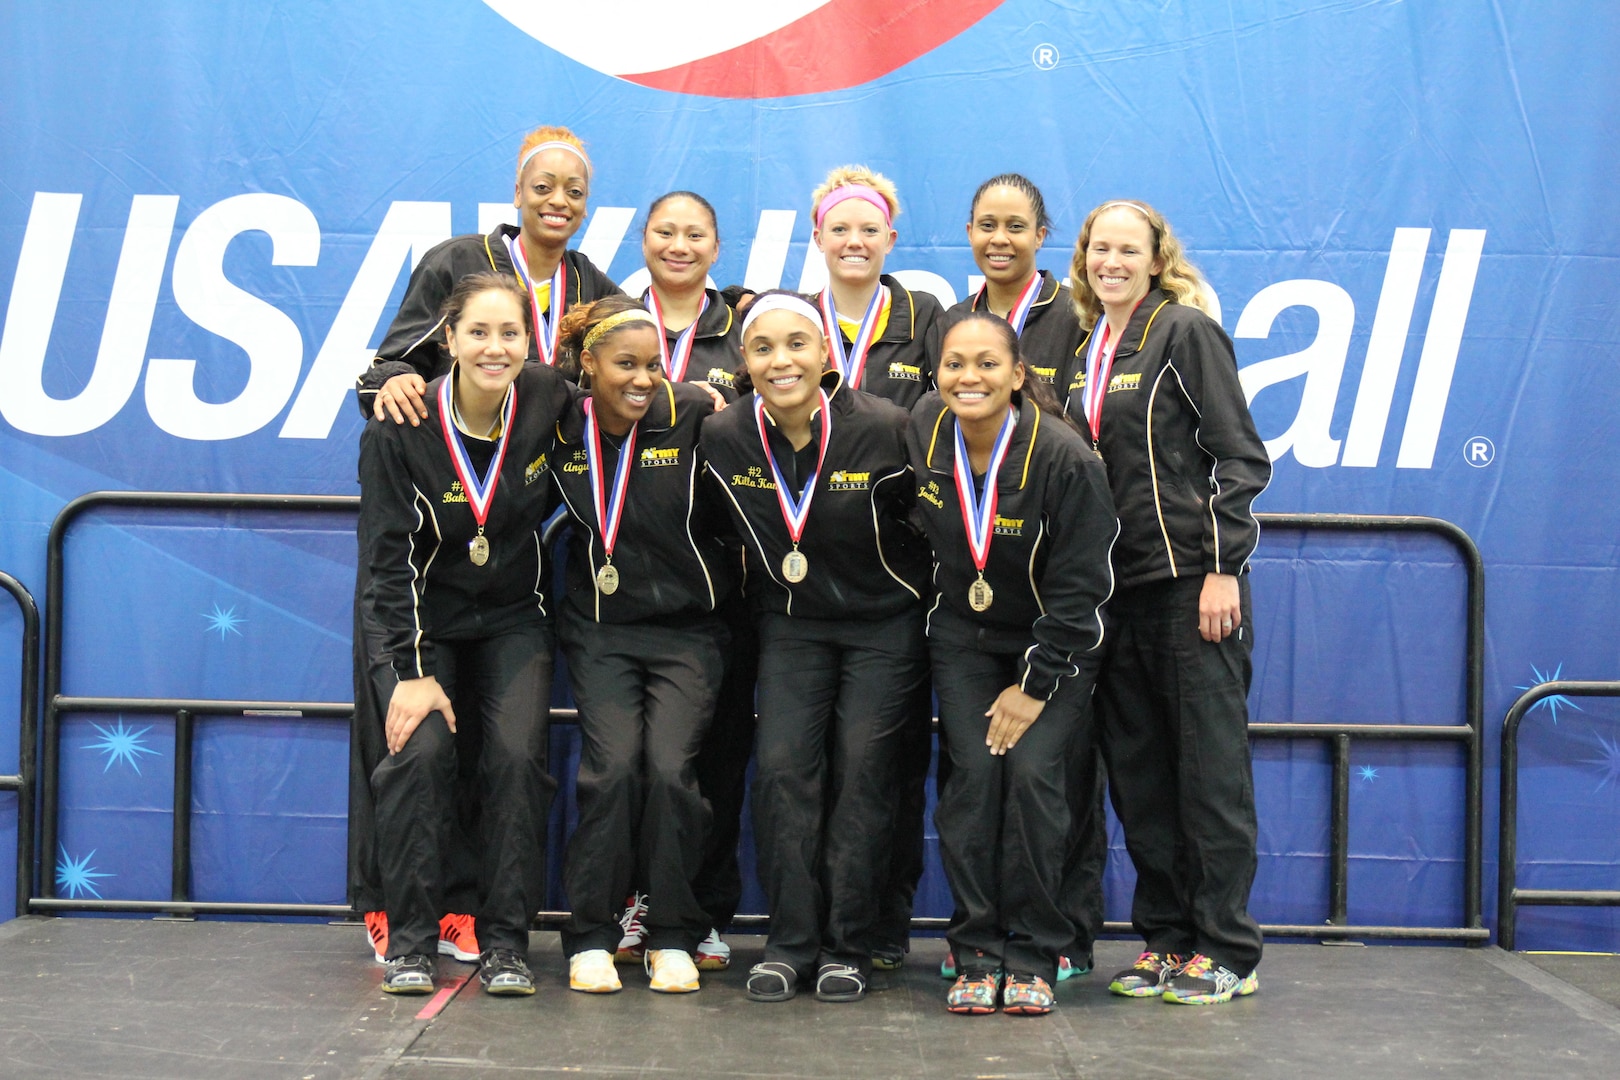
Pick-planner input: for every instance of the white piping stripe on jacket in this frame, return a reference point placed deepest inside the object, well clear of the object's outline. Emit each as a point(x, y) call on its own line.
point(410, 560)
point(877, 537)
point(1153, 471)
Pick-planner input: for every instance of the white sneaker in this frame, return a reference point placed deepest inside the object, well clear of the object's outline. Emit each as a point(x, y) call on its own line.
point(672, 971)
point(631, 948)
point(591, 972)
point(713, 954)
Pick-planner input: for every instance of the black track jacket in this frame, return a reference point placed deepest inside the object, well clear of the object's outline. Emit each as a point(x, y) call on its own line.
point(424, 588)
point(716, 347)
point(1051, 331)
point(867, 561)
point(900, 364)
point(415, 339)
point(670, 560)
point(1184, 459)
point(1049, 548)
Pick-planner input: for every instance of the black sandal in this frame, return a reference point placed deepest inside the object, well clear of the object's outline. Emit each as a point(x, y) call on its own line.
point(772, 980)
point(839, 982)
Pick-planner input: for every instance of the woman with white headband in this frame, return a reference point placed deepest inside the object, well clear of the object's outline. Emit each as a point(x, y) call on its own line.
point(553, 182)
point(883, 337)
point(1158, 394)
point(818, 484)
point(645, 573)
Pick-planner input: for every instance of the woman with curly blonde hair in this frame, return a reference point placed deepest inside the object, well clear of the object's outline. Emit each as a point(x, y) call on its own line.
point(1157, 391)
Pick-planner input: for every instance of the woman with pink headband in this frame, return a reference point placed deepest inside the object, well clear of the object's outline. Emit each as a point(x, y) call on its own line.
point(552, 185)
point(883, 337)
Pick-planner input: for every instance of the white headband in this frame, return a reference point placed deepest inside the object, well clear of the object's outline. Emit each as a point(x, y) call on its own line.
point(780, 302)
point(1138, 207)
point(556, 145)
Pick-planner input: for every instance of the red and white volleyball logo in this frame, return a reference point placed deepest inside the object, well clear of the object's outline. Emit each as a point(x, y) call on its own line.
point(746, 48)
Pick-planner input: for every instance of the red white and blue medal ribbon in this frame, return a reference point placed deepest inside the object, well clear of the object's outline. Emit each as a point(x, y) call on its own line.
point(1099, 366)
point(1019, 314)
point(677, 359)
point(546, 329)
point(851, 364)
point(795, 507)
point(979, 514)
point(608, 502)
point(480, 491)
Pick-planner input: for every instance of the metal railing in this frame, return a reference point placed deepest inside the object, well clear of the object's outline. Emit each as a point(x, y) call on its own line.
point(1509, 897)
point(188, 711)
point(27, 735)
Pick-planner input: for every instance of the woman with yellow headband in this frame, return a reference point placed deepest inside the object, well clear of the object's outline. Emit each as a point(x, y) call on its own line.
point(645, 574)
point(1158, 395)
point(553, 182)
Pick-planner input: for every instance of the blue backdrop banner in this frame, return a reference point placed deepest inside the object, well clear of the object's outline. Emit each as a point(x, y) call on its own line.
point(208, 211)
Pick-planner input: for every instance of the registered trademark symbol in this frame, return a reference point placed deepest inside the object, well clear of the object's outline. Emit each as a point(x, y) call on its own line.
point(1045, 56)
point(1479, 451)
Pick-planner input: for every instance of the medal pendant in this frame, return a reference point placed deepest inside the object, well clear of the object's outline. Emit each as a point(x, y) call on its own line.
point(981, 595)
point(607, 579)
point(795, 566)
point(478, 550)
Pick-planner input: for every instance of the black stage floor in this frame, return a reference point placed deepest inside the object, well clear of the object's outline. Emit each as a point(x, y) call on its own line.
point(175, 1000)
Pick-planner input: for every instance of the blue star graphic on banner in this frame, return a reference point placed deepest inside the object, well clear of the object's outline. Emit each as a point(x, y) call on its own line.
point(120, 743)
point(1608, 761)
point(1556, 701)
point(224, 620)
point(77, 877)
point(1368, 772)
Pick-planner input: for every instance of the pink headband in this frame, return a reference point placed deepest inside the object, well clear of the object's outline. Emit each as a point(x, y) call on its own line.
point(852, 191)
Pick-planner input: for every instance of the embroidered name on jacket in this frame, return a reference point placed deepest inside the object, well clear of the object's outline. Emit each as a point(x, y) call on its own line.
point(929, 493)
point(653, 457)
point(753, 478)
point(843, 480)
point(578, 464)
point(455, 494)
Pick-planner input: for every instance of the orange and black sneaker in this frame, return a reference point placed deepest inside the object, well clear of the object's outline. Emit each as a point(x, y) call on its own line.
point(458, 938)
point(377, 928)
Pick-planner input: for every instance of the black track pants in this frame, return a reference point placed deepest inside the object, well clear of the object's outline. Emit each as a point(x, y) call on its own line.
point(1003, 820)
point(910, 808)
point(722, 767)
point(835, 698)
point(1174, 719)
point(1081, 894)
point(646, 695)
point(504, 682)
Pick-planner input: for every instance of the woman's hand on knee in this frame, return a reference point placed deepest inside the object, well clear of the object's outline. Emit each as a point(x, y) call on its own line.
point(1219, 607)
point(412, 701)
point(1010, 716)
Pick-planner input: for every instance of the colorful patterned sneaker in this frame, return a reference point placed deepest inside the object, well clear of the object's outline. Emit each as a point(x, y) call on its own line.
point(505, 974)
point(457, 938)
point(377, 929)
point(1147, 977)
point(839, 983)
point(713, 954)
point(947, 966)
point(772, 980)
point(1204, 982)
point(411, 974)
point(974, 994)
point(889, 957)
point(1069, 969)
point(672, 971)
point(591, 972)
point(632, 948)
point(1026, 995)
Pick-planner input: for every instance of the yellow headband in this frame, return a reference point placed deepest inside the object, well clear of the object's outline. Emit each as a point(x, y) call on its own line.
point(613, 322)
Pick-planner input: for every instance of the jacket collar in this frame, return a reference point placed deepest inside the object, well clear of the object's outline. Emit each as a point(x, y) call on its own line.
point(1048, 293)
point(1015, 466)
point(661, 416)
point(902, 324)
point(500, 258)
point(1137, 329)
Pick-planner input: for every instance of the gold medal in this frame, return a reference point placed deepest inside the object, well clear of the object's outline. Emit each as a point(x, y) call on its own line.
point(795, 566)
point(607, 579)
point(981, 595)
point(478, 549)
